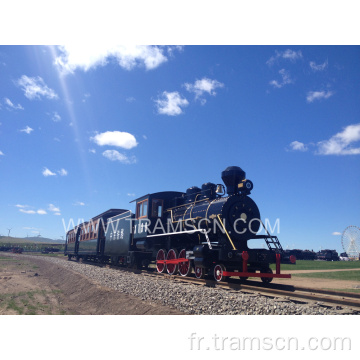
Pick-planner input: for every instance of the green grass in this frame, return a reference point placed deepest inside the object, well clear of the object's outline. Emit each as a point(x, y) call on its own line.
point(334, 275)
point(6, 258)
point(59, 254)
point(24, 303)
point(319, 265)
point(357, 291)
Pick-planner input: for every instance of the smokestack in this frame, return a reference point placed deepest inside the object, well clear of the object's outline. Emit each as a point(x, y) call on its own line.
point(232, 176)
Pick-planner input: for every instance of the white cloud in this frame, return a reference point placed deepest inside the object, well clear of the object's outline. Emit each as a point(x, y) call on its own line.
point(171, 103)
point(62, 172)
point(59, 214)
point(114, 155)
point(1, 153)
point(341, 143)
point(56, 117)
point(285, 79)
point(336, 233)
point(86, 56)
point(11, 105)
point(92, 151)
point(287, 55)
point(35, 87)
point(53, 208)
point(79, 203)
point(86, 96)
point(27, 130)
point(115, 138)
point(298, 146)
point(131, 194)
point(318, 95)
point(22, 206)
point(27, 211)
point(202, 86)
point(130, 99)
point(47, 172)
point(318, 67)
point(171, 49)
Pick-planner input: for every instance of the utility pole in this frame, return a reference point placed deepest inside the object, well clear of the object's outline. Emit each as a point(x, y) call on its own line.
point(9, 232)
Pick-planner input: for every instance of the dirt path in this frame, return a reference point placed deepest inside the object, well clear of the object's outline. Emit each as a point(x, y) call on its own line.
point(38, 287)
point(320, 283)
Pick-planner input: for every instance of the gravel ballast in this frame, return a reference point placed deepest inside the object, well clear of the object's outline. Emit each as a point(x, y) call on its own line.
point(190, 298)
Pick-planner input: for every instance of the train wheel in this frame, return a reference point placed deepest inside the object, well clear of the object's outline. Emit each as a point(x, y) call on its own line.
point(172, 268)
point(219, 272)
point(161, 255)
point(266, 280)
point(199, 272)
point(184, 267)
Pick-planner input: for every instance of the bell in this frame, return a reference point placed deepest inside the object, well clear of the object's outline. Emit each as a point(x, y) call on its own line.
point(219, 189)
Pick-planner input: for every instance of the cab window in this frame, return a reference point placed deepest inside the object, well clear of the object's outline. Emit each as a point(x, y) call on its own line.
point(157, 208)
point(141, 209)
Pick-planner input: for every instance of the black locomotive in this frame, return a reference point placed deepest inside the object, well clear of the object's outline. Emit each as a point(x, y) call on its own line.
point(201, 229)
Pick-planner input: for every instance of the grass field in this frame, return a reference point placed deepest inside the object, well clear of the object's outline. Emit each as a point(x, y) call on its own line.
point(320, 265)
point(6, 258)
point(356, 291)
point(29, 240)
point(30, 303)
point(58, 254)
point(334, 275)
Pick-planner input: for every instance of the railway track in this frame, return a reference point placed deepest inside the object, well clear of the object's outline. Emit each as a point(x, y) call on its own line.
point(326, 298)
point(302, 295)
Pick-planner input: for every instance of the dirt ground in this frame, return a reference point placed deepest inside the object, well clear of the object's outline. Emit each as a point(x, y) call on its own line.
point(39, 287)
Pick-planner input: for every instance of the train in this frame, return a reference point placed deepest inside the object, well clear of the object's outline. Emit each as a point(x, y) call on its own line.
point(202, 232)
point(328, 255)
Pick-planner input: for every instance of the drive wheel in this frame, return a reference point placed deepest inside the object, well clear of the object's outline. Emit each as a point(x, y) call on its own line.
point(219, 272)
point(184, 267)
point(172, 268)
point(161, 256)
point(199, 272)
point(266, 280)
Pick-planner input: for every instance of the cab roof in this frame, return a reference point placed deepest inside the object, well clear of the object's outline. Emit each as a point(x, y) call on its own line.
point(161, 195)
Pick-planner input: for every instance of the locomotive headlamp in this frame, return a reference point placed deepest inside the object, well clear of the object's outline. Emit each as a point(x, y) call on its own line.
point(246, 186)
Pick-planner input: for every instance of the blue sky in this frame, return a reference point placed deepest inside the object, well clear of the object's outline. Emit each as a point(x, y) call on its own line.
point(85, 129)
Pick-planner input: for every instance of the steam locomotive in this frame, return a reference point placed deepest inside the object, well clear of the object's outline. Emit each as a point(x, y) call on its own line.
point(201, 229)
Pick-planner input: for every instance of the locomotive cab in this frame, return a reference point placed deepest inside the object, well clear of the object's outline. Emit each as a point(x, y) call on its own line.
point(150, 212)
